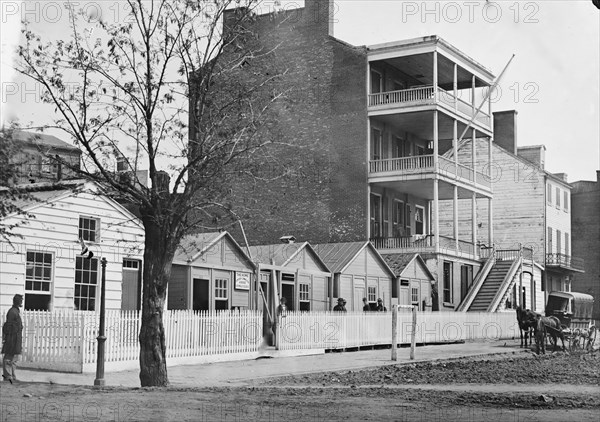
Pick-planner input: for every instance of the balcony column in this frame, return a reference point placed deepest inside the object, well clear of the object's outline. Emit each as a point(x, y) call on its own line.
point(474, 218)
point(455, 87)
point(473, 155)
point(490, 222)
point(473, 94)
point(436, 216)
point(435, 76)
point(455, 145)
point(455, 212)
point(489, 172)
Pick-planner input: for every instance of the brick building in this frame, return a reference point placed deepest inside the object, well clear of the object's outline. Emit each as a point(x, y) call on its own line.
point(585, 202)
point(366, 129)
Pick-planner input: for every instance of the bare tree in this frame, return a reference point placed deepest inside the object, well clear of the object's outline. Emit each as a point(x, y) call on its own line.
point(139, 83)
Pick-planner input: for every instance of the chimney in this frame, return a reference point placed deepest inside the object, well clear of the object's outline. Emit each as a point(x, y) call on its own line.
point(505, 130)
point(287, 239)
point(320, 14)
point(535, 154)
point(561, 176)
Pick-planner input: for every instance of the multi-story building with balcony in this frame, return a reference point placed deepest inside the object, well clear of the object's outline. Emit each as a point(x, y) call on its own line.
point(426, 98)
point(390, 137)
point(531, 208)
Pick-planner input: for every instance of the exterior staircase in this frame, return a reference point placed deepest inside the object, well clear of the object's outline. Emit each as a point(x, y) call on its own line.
point(491, 286)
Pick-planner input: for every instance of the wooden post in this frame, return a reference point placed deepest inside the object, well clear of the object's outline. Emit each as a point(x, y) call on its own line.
point(413, 334)
point(394, 332)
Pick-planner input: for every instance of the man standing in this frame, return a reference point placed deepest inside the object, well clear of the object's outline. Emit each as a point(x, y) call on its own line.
point(380, 307)
point(366, 305)
point(12, 339)
point(340, 307)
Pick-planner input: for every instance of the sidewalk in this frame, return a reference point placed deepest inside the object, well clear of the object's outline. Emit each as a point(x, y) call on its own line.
point(246, 373)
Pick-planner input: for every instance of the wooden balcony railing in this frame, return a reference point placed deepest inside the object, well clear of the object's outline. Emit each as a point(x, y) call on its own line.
point(423, 243)
point(404, 166)
point(425, 95)
point(419, 94)
point(565, 261)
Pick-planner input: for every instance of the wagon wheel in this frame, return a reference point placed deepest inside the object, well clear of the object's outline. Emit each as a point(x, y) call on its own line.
point(577, 340)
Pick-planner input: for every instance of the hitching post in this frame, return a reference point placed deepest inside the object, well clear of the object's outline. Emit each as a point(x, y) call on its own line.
point(413, 334)
point(394, 332)
point(101, 337)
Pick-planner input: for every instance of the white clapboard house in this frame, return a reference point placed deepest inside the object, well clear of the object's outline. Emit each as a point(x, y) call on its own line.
point(43, 260)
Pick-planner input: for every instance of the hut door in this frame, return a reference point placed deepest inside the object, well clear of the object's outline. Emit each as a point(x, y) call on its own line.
point(200, 295)
point(359, 293)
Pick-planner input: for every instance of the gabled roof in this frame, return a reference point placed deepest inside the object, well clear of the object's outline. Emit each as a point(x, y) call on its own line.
point(338, 256)
point(281, 254)
point(400, 261)
point(192, 246)
point(42, 139)
point(47, 193)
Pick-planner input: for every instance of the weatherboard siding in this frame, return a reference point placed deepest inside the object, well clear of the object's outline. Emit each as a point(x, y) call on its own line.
point(55, 230)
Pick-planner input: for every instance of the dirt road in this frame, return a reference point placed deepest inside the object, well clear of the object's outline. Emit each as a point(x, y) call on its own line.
point(504, 388)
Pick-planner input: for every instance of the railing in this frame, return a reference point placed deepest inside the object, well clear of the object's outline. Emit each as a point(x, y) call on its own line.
point(402, 96)
point(66, 340)
point(416, 164)
point(424, 163)
point(507, 254)
point(566, 261)
point(335, 330)
point(403, 242)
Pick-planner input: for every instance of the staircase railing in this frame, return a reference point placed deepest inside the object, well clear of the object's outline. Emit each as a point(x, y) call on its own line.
point(507, 282)
point(478, 282)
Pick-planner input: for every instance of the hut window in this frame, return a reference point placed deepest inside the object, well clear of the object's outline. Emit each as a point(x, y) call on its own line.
point(414, 295)
point(304, 296)
point(38, 281)
point(221, 301)
point(86, 280)
point(372, 294)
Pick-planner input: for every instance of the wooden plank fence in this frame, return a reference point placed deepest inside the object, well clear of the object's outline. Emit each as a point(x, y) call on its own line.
point(335, 330)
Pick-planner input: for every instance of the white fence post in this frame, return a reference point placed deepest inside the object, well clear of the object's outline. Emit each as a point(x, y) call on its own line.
point(394, 332)
point(413, 333)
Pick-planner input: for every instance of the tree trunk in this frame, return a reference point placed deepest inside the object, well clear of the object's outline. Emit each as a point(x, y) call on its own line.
point(157, 269)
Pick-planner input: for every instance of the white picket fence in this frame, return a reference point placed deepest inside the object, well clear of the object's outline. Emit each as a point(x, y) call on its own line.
point(67, 340)
point(335, 330)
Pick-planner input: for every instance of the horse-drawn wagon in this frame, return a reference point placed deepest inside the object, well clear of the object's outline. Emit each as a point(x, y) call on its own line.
point(574, 310)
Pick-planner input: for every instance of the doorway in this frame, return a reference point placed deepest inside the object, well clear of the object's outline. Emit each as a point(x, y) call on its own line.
point(287, 291)
point(200, 295)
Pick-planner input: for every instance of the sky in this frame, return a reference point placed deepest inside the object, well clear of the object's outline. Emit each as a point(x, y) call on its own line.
point(553, 82)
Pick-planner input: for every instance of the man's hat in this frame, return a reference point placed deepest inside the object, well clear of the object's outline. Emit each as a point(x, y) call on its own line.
point(379, 300)
point(341, 299)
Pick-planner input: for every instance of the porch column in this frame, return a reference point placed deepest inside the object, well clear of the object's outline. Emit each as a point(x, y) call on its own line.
point(435, 76)
point(455, 87)
point(455, 146)
point(435, 141)
point(473, 156)
point(474, 218)
point(489, 172)
point(369, 234)
point(436, 216)
point(490, 222)
point(455, 212)
point(473, 94)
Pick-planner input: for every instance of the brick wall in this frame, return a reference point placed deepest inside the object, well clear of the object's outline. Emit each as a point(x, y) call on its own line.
point(312, 181)
point(585, 226)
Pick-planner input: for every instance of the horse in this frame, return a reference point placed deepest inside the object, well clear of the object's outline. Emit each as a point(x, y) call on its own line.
point(526, 320)
point(554, 330)
point(540, 335)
